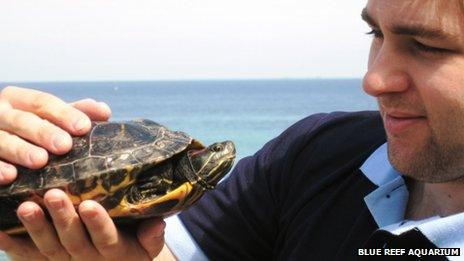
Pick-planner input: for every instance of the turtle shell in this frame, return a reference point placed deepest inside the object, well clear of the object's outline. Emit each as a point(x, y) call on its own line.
point(99, 165)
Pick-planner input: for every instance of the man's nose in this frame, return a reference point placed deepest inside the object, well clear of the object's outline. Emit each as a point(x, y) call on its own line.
point(387, 73)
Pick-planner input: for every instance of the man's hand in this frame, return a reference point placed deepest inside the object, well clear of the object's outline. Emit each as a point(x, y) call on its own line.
point(93, 236)
point(33, 122)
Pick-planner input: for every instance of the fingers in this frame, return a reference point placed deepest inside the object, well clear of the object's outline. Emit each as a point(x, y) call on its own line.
point(16, 150)
point(48, 107)
point(34, 122)
point(8, 173)
point(33, 128)
point(151, 236)
point(68, 225)
point(110, 243)
point(41, 232)
point(102, 230)
point(67, 238)
point(97, 111)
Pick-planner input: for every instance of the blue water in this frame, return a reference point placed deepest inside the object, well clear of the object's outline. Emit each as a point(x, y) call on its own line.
point(248, 112)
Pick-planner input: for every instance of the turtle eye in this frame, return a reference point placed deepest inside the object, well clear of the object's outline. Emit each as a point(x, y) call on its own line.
point(217, 148)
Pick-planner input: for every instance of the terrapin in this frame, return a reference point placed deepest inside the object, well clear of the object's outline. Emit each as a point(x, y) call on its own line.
point(135, 169)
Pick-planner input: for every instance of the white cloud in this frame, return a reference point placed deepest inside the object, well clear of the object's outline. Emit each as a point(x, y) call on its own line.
point(169, 39)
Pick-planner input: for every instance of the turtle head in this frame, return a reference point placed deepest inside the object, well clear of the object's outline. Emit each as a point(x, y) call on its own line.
point(212, 163)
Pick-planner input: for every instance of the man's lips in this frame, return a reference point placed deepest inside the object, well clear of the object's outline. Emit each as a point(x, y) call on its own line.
point(397, 122)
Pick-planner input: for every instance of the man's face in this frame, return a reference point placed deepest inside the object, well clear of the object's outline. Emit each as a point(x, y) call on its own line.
point(416, 72)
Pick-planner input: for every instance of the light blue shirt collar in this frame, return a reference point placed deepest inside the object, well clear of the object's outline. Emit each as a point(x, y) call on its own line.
point(387, 204)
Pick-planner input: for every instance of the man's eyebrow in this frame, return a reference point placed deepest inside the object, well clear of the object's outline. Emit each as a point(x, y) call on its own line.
point(411, 30)
point(421, 31)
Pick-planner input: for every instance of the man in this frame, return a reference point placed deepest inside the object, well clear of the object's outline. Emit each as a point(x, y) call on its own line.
point(323, 187)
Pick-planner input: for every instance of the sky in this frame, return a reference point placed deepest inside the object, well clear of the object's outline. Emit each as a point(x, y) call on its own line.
point(97, 40)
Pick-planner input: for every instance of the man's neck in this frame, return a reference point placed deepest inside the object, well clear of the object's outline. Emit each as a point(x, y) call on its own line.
point(431, 199)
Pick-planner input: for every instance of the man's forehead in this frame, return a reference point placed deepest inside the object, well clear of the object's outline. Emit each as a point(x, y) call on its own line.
point(446, 16)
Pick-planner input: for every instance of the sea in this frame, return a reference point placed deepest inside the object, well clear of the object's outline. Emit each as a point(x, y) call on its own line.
point(248, 112)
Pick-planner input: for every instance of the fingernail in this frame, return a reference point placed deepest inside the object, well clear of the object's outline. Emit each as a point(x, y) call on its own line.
point(105, 107)
point(7, 171)
point(89, 212)
point(81, 124)
point(60, 141)
point(29, 216)
point(35, 157)
point(56, 204)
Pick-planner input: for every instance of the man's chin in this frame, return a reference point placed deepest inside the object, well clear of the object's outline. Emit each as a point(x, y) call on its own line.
point(428, 164)
point(400, 154)
point(409, 160)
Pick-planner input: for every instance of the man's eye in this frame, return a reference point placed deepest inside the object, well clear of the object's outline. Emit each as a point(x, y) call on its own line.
point(428, 49)
point(376, 33)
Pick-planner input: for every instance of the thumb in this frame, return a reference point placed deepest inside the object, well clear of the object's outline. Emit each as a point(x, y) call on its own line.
point(151, 236)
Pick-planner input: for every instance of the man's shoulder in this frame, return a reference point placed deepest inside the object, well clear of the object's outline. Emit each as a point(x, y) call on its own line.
point(320, 144)
point(338, 121)
point(336, 130)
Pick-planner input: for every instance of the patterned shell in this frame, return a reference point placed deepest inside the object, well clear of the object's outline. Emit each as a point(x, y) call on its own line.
point(110, 149)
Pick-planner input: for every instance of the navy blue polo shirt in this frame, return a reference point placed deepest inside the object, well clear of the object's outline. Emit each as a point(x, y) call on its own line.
point(320, 190)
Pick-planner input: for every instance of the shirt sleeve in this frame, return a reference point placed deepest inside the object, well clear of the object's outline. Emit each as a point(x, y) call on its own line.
point(238, 219)
point(180, 242)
